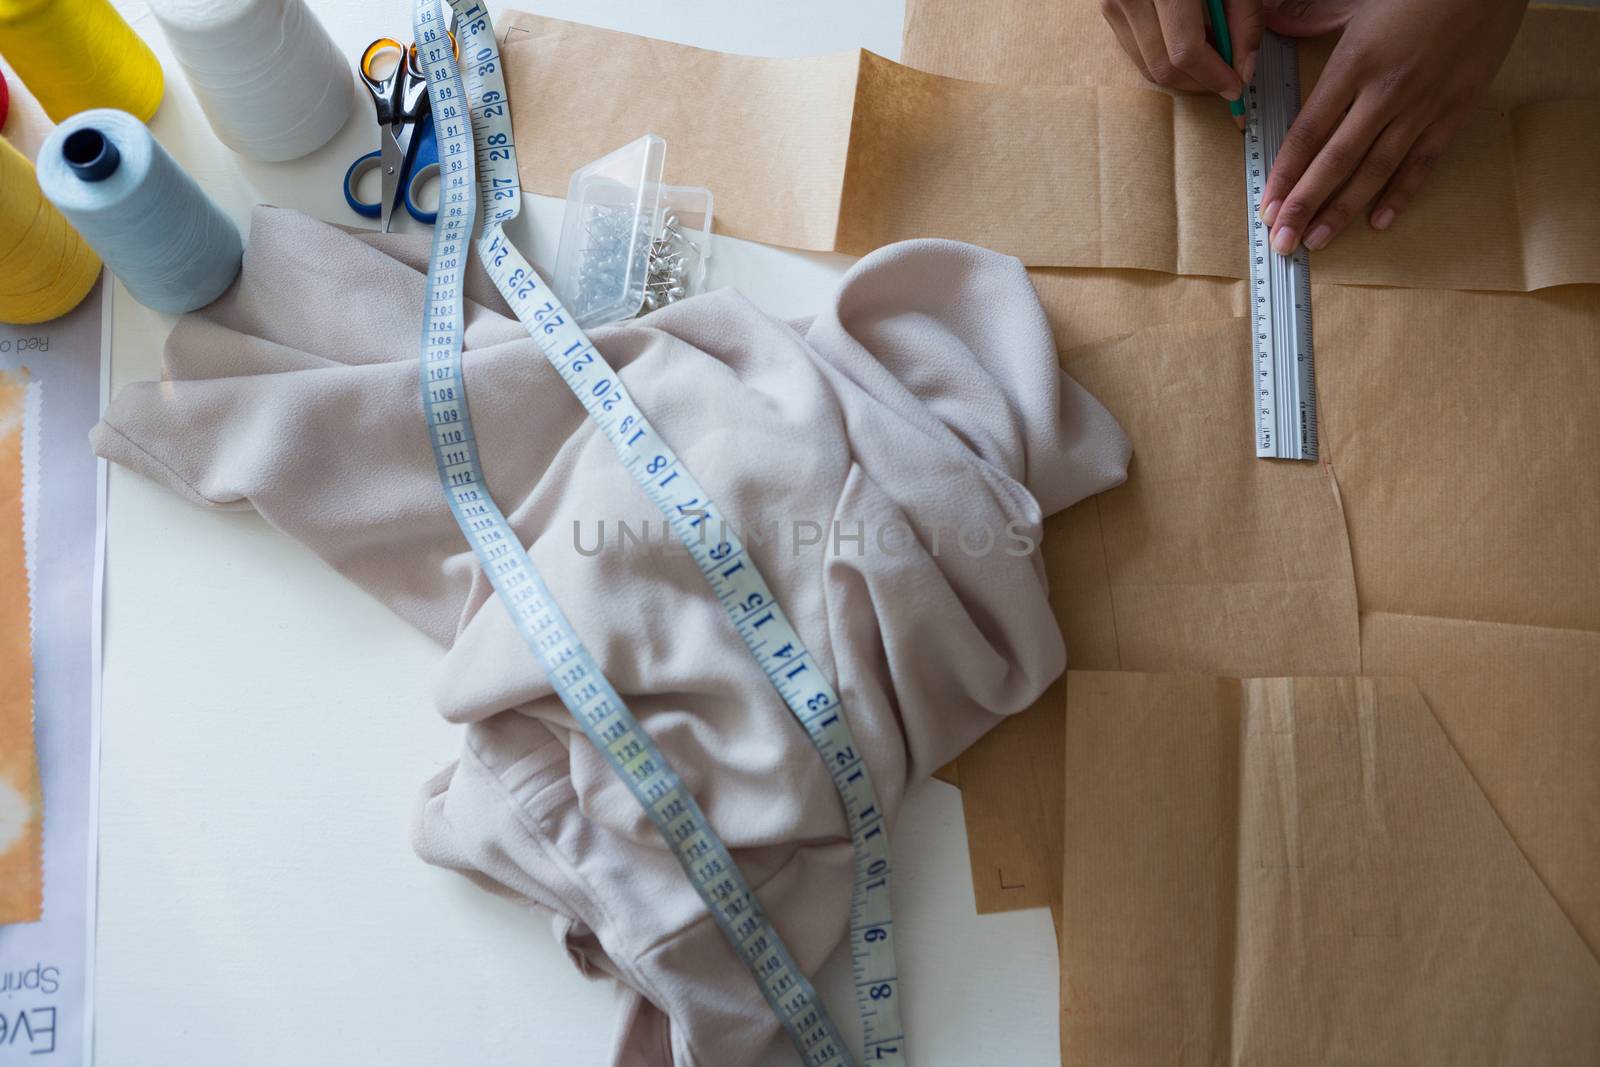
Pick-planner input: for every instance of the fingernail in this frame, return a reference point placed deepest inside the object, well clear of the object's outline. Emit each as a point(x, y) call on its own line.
point(1318, 236)
point(1284, 240)
point(1247, 70)
point(1232, 94)
point(1270, 211)
point(1383, 218)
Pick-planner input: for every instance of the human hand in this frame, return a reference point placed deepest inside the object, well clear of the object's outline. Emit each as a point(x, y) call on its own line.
point(1401, 81)
point(1166, 39)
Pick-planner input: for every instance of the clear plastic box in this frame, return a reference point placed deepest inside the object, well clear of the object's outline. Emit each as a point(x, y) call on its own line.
point(628, 241)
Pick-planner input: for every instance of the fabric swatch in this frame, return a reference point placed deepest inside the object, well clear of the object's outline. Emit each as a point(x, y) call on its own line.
point(21, 802)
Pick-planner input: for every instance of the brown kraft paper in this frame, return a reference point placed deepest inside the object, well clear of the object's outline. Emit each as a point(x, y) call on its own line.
point(1299, 871)
point(1453, 424)
point(849, 152)
point(1455, 430)
point(1206, 559)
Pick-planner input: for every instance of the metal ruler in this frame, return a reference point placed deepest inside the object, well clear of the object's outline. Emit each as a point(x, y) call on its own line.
point(1285, 382)
point(477, 159)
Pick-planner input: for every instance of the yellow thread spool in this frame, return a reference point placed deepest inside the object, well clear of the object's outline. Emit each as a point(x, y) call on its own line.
point(77, 54)
point(46, 269)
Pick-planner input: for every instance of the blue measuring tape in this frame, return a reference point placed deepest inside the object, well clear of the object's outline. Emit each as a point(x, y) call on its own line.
point(473, 132)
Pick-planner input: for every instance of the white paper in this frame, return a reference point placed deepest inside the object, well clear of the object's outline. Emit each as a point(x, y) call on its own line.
point(46, 967)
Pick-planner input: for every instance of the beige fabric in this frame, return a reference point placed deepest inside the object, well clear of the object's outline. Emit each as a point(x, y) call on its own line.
point(925, 393)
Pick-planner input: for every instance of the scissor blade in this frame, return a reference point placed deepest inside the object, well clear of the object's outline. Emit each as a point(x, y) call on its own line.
point(394, 159)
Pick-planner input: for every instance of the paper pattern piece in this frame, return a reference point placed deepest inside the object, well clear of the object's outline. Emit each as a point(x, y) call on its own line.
point(1488, 209)
point(1453, 428)
point(849, 152)
point(1067, 42)
point(1453, 425)
point(1476, 552)
point(1206, 559)
point(1205, 552)
point(1491, 400)
point(1011, 797)
point(21, 801)
point(1299, 871)
point(1521, 704)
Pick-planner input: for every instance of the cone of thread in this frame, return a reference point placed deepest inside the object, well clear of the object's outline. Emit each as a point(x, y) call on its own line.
point(46, 268)
point(168, 242)
point(74, 55)
point(270, 80)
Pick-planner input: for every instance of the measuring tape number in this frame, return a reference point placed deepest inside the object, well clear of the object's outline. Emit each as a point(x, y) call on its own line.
point(474, 132)
point(1285, 382)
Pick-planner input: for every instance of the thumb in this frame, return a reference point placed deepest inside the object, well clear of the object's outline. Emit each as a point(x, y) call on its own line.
point(1244, 26)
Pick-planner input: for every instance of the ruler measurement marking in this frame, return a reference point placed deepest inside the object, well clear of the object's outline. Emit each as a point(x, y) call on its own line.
point(1284, 377)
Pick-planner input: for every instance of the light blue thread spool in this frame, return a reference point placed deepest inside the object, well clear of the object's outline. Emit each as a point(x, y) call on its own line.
point(156, 229)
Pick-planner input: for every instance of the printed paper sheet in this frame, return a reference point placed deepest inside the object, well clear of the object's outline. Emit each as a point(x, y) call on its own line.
point(52, 377)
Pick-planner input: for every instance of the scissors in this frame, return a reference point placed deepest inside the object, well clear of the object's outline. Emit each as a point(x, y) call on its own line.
point(408, 149)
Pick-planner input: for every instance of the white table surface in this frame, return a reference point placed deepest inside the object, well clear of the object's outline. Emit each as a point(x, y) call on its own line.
point(267, 725)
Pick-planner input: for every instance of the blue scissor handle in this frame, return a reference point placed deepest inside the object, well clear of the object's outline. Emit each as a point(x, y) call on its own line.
point(422, 163)
point(353, 176)
point(423, 166)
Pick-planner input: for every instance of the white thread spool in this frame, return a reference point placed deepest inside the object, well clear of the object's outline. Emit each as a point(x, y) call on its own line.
point(271, 81)
point(152, 225)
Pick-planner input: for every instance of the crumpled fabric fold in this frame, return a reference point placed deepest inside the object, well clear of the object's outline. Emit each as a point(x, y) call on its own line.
point(888, 462)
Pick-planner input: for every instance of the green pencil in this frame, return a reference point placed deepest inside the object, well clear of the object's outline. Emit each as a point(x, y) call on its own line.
point(1219, 26)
